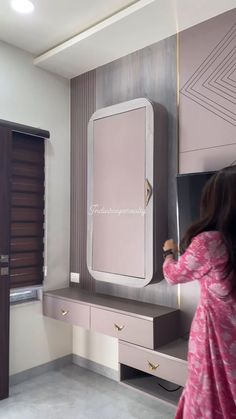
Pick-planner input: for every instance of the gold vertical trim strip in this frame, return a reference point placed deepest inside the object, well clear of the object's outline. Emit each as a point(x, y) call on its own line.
point(177, 94)
point(178, 134)
point(178, 140)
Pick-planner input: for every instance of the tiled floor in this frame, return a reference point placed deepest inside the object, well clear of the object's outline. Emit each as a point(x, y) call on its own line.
point(76, 393)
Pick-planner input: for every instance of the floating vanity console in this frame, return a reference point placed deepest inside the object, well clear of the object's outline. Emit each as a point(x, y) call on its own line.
point(149, 348)
point(147, 325)
point(127, 193)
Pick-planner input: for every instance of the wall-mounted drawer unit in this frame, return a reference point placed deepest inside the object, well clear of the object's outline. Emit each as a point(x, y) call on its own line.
point(140, 328)
point(68, 311)
point(127, 328)
point(158, 363)
point(136, 322)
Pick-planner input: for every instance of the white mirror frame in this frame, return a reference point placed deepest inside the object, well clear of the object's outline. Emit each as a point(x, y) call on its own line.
point(149, 263)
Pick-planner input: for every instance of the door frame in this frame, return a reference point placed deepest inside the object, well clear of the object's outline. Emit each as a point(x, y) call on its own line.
point(5, 153)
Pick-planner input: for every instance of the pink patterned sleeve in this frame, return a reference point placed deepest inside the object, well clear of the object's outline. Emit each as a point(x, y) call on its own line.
point(192, 265)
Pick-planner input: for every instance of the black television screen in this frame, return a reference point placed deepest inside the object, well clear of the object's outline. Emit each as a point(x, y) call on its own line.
point(189, 189)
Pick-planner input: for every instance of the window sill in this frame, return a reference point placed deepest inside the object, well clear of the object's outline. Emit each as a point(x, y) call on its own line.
point(25, 295)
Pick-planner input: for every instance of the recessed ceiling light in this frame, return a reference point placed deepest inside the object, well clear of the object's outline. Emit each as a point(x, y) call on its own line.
point(22, 6)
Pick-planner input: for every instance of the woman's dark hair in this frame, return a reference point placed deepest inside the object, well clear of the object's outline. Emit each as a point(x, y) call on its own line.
point(218, 212)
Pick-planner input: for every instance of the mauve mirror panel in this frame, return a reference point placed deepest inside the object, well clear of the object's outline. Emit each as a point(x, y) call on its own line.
point(118, 240)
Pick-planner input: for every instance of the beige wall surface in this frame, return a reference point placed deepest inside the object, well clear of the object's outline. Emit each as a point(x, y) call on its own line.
point(32, 96)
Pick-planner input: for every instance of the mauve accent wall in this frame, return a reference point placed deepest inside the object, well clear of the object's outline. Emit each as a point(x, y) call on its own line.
point(207, 117)
point(208, 94)
point(150, 72)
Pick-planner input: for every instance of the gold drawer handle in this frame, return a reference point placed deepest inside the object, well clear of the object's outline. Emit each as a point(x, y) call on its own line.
point(64, 312)
point(148, 192)
point(152, 366)
point(118, 328)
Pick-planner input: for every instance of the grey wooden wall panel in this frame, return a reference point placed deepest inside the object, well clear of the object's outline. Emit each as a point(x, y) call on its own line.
point(82, 107)
point(150, 72)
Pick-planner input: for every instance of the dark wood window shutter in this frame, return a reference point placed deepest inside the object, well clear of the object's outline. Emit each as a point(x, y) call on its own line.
point(23, 179)
point(27, 210)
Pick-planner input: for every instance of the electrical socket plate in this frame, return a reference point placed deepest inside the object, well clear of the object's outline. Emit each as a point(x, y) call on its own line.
point(75, 277)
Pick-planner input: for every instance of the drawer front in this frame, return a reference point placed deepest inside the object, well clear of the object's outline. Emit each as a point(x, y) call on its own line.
point(127, 328)
point(156, 364)
point(67, 311)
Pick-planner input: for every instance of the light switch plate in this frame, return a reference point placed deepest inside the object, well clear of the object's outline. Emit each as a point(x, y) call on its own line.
point(75, 277)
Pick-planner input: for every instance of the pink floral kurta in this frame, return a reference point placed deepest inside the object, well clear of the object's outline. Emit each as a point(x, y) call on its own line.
point(210, 392)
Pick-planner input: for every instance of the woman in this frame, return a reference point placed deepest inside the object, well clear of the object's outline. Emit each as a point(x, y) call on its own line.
point(210, 257)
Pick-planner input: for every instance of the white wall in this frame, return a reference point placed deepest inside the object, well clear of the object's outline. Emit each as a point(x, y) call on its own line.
point(32, 96)
point(35, 339)
point(95, 347)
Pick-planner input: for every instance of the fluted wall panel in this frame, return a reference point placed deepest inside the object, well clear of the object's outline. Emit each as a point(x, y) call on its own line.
point(83, 92)
point(150, 72)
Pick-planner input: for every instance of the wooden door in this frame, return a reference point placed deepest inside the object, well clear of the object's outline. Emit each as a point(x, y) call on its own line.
point(5, 146)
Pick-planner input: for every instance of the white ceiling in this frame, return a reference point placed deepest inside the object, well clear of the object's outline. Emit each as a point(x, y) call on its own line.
point(53, 21)
point(70, 37)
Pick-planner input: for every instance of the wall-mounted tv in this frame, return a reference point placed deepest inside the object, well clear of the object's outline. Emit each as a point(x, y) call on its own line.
point(189, 189)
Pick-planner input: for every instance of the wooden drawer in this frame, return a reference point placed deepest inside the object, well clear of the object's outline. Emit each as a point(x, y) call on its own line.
point(153, 362)
point(128, 328)
point(67, 311)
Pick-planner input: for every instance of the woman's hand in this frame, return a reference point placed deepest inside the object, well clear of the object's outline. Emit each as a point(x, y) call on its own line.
point(170, 245)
